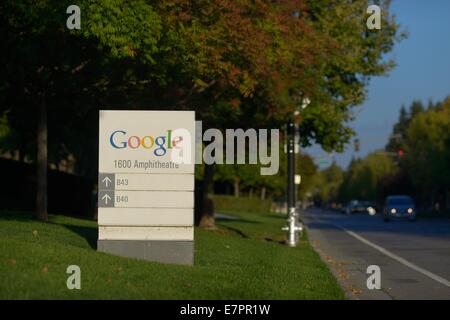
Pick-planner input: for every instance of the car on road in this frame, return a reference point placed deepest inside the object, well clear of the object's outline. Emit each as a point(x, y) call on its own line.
point(356, 206)
point(399, 206)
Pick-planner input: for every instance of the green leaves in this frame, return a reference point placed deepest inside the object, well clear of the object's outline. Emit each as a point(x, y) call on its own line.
point(127, 29)
point(238, 63)
point(426, 144)
point(364, 176)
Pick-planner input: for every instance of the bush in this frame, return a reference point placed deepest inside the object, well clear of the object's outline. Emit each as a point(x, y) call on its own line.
point(240, 204)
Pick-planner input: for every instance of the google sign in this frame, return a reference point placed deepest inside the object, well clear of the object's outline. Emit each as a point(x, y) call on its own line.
point(120, 139)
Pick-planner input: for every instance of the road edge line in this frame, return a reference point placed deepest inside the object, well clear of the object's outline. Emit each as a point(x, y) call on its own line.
point(403, 261)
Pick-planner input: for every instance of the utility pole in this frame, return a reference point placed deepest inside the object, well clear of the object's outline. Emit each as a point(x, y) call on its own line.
point(293, 226)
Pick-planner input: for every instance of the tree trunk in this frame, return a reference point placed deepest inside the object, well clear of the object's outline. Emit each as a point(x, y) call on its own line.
point(263, 193)
point(41, 196)
point(207, 220)
point(228, 189)
point(21, 156)
point(237, 181)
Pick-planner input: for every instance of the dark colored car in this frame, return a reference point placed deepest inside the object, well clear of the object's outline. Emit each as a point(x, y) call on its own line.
point(399, 206)
point(356, 206)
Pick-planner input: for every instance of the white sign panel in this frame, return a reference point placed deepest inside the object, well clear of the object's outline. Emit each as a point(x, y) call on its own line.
point(146, 175)
point(146, 141)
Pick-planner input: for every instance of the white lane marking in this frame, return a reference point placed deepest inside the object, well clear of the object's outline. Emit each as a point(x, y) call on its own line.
point(405, 262)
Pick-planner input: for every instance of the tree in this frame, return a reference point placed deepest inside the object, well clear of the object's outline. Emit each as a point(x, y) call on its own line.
point(398, 133)
point(327, 185)
point(308, 170)
point(422, 133)
point(324, 52)
point(427, 154)
point(395, 140)
point(364, 177)
point(235, 62)
point(45, 67)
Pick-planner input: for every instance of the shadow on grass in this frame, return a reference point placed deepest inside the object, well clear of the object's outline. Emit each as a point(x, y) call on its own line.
point(237, 220)
point(16, 216)
point(275, 241)
point(86, 232)
point(235, 230)
point(276, 216)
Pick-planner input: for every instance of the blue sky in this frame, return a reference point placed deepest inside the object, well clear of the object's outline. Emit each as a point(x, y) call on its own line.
point(422, 72)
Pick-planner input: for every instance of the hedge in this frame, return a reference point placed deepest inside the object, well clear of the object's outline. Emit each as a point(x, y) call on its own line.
point(240, 204)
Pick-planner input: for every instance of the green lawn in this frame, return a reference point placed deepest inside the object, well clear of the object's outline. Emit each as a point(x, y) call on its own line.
point(241, 260)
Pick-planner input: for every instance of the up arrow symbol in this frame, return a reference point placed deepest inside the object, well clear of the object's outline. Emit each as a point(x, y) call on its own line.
point(106, 197)
point(106, 180)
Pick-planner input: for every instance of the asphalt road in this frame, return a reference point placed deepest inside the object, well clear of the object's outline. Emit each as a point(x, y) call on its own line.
point(414, 257)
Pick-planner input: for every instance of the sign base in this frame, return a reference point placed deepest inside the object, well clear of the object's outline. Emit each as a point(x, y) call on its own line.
point(176, 252)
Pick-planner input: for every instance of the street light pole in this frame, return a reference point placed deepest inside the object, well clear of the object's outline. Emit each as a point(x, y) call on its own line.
point(292, 227)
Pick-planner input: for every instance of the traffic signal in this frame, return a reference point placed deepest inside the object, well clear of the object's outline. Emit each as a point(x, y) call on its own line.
point(400, 152)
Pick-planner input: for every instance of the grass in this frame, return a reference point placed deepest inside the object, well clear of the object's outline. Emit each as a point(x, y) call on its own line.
point(247, 204)
point(240, 260)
